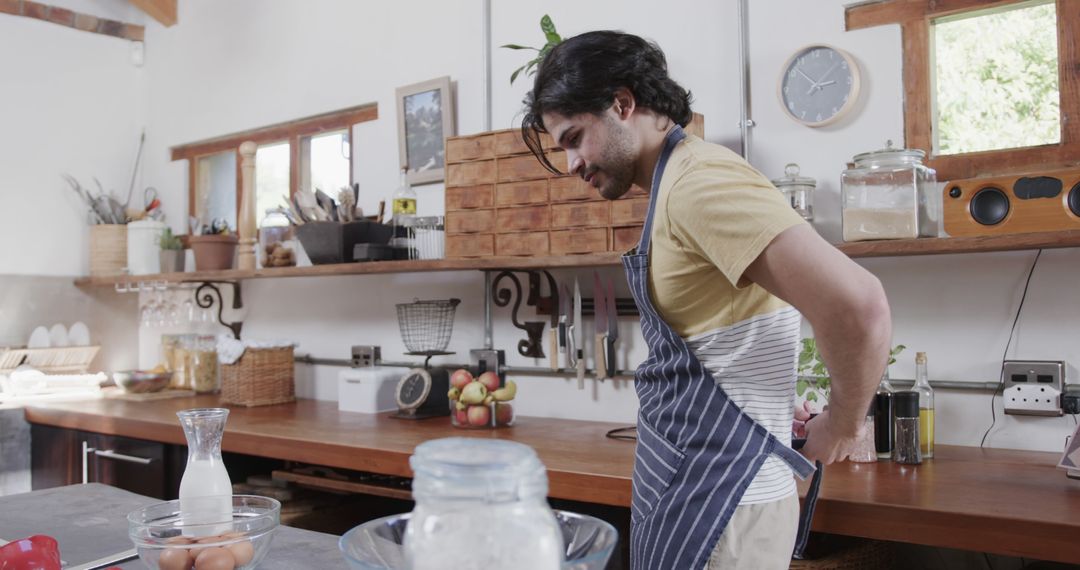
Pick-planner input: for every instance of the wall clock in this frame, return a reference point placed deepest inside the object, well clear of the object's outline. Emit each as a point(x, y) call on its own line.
point(818, 85)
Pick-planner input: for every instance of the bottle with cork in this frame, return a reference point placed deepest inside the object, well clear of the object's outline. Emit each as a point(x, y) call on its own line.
point(403, 208)
point(926, 406)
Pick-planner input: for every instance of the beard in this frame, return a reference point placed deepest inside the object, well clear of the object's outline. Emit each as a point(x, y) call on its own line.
point(616, 165)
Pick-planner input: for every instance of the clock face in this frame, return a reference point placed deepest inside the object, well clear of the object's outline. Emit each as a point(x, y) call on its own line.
point(819, 85)
point(413, 389)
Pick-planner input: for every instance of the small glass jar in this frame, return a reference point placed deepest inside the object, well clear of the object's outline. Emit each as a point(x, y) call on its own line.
point(865, 449)
point(906, 428)
point(275, 235)
point(480, 503)
point(889, 194)
point(202, 364)
point(798, 190)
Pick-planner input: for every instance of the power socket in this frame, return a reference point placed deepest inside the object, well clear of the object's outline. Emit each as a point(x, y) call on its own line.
point(1034, 387)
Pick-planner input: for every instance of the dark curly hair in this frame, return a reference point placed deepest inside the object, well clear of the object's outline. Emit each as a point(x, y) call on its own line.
point(581, 75)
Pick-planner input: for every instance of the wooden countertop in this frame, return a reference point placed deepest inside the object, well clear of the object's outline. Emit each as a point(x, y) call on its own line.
point(1005, 502)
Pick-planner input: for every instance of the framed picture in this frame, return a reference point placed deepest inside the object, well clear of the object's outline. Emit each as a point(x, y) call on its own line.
point(425, 114)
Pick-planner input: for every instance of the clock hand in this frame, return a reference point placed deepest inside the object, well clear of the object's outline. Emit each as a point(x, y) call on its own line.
point(829, 82)
point(800, 72)
point(828, 71)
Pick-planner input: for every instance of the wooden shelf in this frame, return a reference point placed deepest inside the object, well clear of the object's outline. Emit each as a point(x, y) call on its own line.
point(367, 268)
point(884, 248)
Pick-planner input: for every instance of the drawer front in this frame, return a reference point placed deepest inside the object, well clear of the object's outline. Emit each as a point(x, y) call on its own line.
point(526, 167)
point(527, 243)
point(460, 246)
point(571, 189)
point(523, 219)
point(521, 193)
point(470, 173)
point(625, 238)
point(629, 211)
point(592, 240)
point(510, 142)
point(470, 222)
point(582, 215)
point(470, 148)
point(470, 197)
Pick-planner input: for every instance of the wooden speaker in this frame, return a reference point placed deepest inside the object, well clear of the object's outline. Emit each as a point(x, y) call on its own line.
point(1039, 202)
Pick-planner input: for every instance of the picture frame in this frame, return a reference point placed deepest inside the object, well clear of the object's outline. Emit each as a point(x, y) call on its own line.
point(1070, 459)
point(425, 113)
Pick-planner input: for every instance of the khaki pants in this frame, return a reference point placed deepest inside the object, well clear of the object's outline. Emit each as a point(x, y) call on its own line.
point(758, 537)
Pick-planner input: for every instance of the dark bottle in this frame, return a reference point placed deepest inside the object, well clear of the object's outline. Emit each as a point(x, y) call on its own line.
point(883, 418)
point(906, 429)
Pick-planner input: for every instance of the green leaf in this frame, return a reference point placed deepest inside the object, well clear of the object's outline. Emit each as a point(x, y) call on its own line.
point(547, 25)
point(515, 46)
point(515, 74)
point(811, 397)
point(800, 386)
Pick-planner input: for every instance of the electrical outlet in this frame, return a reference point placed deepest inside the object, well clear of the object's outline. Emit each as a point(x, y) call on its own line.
point(483, 359)
point(1033, 387)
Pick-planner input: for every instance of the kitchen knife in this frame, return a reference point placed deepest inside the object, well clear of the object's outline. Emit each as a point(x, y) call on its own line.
point(612, 335)
point(579, 338)
point(554, 351)
point(600, 325)
point(566, 327)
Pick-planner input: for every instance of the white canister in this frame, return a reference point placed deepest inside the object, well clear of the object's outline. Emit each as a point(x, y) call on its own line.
point(143, 247)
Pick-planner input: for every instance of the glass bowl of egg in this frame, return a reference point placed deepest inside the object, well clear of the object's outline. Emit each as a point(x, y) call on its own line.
point(204, 533)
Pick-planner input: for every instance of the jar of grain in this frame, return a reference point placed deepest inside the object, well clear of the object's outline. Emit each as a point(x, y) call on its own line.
point(201, 364)
point(889, 194)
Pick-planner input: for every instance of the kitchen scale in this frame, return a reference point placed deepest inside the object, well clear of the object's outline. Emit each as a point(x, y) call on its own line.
point(422, 392)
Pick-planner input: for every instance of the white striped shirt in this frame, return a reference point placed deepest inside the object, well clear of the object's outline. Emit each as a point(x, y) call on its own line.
point(754, 362)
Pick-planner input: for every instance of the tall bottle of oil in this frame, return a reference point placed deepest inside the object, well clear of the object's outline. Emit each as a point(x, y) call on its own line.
point(403, 208)
point(926, 406)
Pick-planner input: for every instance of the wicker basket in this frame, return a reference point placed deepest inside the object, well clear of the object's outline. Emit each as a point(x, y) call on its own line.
point(832, 552)
point(261, 377)
point(108, 249)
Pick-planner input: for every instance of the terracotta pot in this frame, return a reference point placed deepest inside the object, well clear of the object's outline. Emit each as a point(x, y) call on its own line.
point(213, 252)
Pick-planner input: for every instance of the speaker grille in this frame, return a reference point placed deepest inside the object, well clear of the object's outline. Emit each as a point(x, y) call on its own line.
point(989, 206)
point(1074, 199)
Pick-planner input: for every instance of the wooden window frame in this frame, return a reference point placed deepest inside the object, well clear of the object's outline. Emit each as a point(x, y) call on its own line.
point(292, 132)
point(914, 17)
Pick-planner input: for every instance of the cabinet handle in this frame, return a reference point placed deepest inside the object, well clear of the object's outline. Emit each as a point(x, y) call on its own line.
point(110, 454)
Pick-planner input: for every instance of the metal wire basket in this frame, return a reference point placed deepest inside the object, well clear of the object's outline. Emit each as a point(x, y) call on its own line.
point(426, 325)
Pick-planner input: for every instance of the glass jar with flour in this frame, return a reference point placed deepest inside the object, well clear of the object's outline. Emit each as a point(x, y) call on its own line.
point(889, 194)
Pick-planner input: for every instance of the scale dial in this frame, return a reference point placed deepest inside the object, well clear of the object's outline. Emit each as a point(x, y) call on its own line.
point(413, 389)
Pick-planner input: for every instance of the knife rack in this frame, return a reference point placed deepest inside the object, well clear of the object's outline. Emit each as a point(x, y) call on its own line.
point(624, 307)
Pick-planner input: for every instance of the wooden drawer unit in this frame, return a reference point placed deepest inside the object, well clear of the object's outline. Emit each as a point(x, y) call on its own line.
point(625, 238)
point(470, 197)
point(470, 222)
point(521, 193)
point(629, 211)
point(591, 240)
point(571, 189)
point(581, 215)
point(526, 218)
point(477, 245)
point(510, 142)
point(526, 167)
point(470, 173)
point(470, 148)
point(526, 243)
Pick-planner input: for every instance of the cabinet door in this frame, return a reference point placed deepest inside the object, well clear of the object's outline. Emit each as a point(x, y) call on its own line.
point(130, 464)
point(55, 457)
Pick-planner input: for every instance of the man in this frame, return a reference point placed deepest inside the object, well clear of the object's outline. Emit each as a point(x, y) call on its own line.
point(722, 272)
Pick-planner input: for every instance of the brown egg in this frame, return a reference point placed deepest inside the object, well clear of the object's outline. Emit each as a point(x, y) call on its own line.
point(215, 558)
point(175, 559)
point(242, 551)
point(179, 540)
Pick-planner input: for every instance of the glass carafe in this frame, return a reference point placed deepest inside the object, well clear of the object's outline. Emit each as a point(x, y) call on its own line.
point(205, 489)
point(480, 504)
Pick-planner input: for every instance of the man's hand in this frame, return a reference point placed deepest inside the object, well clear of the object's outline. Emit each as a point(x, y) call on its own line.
point(826, 443)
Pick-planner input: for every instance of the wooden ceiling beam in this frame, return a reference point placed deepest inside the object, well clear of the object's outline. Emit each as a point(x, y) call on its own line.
point(164, 11)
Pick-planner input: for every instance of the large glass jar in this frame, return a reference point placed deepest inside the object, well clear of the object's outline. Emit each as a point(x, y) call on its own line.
point(889, 194)
point(798, 190)
point(480, 503)
point(202, 363)
point(275, 235)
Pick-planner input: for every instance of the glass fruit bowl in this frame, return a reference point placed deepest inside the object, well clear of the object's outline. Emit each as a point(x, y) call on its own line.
point(168, 539)
point(377, 544)
point(479, 416)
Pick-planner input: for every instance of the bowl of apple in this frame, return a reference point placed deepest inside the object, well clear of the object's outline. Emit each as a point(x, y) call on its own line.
point(482, 401)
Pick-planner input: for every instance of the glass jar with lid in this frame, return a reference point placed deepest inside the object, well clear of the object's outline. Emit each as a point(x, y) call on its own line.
point(465, 484)
point(275, 239)
point(798, 190)
point(889, 194)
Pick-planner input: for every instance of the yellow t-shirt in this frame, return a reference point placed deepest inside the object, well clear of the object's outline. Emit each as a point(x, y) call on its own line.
point(714, 216)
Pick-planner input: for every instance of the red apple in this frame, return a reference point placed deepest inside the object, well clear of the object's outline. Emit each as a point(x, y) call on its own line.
point(461, 417)
point(490, 380)
point(479, 415)
point(460, 378)
point(504, 414)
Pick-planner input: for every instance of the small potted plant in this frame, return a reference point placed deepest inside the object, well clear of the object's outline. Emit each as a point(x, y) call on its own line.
point(172, 252)
point(215, 247)
point(553, 39)
point(813, 381)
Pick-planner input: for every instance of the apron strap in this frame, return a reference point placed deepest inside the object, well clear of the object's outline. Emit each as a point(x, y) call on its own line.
point(673, 137)
point(807, 514)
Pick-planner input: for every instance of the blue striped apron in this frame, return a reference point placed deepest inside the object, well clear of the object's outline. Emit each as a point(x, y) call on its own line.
point(697, 451)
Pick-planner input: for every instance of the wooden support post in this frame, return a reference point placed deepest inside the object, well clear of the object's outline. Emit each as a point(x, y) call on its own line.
point(246, 217)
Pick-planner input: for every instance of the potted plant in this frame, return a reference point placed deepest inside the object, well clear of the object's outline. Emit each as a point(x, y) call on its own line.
point(813, 381)
point(172, 252)
point(553, 39)
point(215, 248)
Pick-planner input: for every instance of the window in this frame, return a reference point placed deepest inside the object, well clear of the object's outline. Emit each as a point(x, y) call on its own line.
point(990, 86)
point(304, 154)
